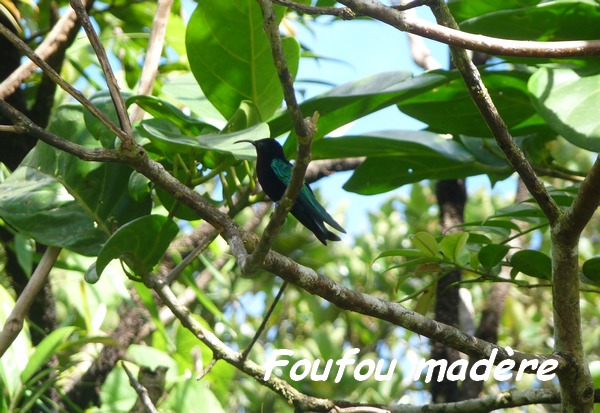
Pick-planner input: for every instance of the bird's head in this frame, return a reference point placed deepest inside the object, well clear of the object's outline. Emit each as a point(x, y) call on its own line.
point(269, 147)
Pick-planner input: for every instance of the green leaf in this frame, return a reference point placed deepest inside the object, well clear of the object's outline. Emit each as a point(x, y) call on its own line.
point(210, 149)
point(187, 395)
point(184, 90)
point(452, 246)
point(141, 242)
point(409, 253)
point(424, 300)
point(426, 242)
point(546, 21)
point(491, 255)
point(162, 109)
point(533, 263)
point(60, 200)
point(396, 158)
point(102, 101)
point(41, 208)
point(448, 108)
point(16, 357)
point(350, 101)
point(466, 9)
point(591, 269)
point(245, 116)
point(24, 250)
point(568, 99)
point(231, 58)
point(138, 186)
point(45, 350)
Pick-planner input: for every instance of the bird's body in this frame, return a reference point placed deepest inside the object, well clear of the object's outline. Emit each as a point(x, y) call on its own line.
point(274, 173)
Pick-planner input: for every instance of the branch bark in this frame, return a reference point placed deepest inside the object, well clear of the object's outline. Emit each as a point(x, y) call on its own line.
point(475, 42)
point(51, 44)
point(14, 322)
point(305, 131)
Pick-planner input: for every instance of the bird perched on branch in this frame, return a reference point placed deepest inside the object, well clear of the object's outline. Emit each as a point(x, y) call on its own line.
point(274, 174)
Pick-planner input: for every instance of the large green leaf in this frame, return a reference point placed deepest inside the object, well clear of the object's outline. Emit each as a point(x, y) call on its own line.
point(184, 90)
point(45, 350)
point(58, 199)
point(41, 208)
point(209, 149)
point(546, 21)
point(395, 158)
point(569, 99)
point(533, 263)
point(141, 242)
point(467, 9)
point(231, 58)
point(350, 101)
point(448, 108)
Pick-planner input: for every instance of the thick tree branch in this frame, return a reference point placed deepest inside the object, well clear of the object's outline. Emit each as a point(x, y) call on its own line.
point(504, 400)
point(475, 42)
point(23, 124)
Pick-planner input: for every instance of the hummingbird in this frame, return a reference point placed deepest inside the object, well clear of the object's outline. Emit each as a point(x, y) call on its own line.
point(274, 174)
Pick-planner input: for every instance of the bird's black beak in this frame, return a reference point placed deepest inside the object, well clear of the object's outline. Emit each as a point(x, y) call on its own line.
point(247, 141)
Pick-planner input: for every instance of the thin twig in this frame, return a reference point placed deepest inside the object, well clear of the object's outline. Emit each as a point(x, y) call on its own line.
point(153, 54)
point(207, 369)
point(140, 390)
point(51, 44)
point(174, 273)
point(111, 80)
point(14, 322)
point(12, 129)
point(222, 351)
point(66, 86)
point(344, 13)
point(265, 320)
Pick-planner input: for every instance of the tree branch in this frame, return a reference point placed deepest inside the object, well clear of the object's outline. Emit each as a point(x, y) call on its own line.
point(153, 54)
point(323, 168)
point(66, 86)
point(24, 124)
point(489, 112)
point(14, 322)
point(51, 44)
point(223, 352)
point(484, 44)
point(307, 278)
point(111, 80)
point(305, 130)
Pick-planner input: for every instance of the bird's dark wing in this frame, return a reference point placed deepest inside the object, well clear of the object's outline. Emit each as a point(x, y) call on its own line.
point(283, 170)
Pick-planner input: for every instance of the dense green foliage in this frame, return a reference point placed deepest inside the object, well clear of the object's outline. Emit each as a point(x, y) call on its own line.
point(217, 85)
